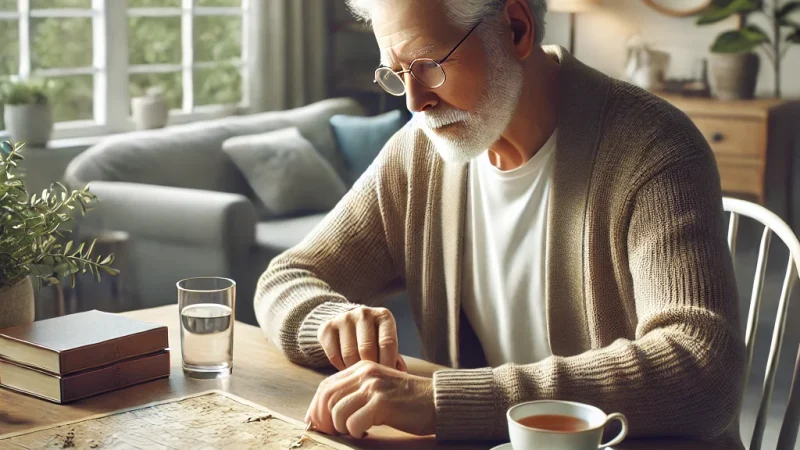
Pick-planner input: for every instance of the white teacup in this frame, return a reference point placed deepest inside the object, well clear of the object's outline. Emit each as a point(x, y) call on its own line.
point(588, 437)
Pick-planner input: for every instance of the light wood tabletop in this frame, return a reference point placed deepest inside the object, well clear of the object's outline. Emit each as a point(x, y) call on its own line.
point(261, 375)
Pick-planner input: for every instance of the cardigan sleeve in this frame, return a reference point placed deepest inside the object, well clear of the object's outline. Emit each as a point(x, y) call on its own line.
point(343, 263)
point(682, 373)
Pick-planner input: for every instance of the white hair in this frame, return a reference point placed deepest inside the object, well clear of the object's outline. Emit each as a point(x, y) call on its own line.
point(463, 13)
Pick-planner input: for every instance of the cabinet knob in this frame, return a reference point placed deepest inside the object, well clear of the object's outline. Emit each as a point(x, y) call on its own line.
point(717, 137)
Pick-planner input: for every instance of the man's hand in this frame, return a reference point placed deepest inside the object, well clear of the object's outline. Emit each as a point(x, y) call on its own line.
point(367, 395)
point(363, 334)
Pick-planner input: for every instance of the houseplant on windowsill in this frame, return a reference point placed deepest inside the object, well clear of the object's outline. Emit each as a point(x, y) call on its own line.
point(734, 63)
point(31, 240)
point(28, 113)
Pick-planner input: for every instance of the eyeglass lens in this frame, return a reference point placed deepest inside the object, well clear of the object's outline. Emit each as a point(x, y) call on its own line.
point(426, 71)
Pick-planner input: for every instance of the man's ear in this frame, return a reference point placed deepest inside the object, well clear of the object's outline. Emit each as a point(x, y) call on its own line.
point(523, 28)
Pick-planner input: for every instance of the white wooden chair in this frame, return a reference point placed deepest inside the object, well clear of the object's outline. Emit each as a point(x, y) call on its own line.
point(772, 225)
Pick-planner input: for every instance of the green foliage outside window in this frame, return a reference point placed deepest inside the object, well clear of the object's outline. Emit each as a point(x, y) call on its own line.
point(67, 42)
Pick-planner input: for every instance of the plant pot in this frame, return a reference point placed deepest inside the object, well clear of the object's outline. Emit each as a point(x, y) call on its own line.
point(734, 75)
point(17, 304)
point(149, 112)
point(32, 124)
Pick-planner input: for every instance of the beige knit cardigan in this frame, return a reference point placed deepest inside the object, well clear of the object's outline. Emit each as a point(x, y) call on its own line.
point(642, 308)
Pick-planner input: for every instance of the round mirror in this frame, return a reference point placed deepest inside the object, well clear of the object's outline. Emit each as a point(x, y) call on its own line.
point(678, 8)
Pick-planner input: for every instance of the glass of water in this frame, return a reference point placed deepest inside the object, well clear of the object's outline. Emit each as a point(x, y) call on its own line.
point(207, 306)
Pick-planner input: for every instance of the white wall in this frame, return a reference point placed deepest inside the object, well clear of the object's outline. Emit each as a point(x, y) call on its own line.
point(601, 36)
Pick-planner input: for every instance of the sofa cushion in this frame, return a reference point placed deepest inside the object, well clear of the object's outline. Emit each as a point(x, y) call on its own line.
point(279, 235)
point(285, 172)
point(360, 139)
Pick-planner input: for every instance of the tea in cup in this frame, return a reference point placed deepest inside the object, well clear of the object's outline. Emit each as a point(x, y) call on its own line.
point(560, 425)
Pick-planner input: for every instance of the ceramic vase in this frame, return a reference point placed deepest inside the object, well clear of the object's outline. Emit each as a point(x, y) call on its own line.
point(31, 124)
point(150, 111)
point(734, 75)
point(17, 304)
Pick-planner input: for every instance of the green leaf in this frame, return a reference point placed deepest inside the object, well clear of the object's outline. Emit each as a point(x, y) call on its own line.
point(720, 11)
point(743, 40)
point(794, 38)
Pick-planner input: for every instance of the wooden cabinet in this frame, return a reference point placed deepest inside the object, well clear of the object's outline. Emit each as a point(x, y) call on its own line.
point(737, 132)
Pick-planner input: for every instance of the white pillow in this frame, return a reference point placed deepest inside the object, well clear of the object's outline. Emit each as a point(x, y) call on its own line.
point(286, 173)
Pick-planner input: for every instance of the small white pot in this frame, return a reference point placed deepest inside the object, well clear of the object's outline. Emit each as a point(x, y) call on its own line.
point(17, 304)
point(149, 112)
point(31, 124)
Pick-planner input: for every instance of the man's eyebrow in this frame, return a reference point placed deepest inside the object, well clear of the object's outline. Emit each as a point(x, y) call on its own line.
point(423, 51)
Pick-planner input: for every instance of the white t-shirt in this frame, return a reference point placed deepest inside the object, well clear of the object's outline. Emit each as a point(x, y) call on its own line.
point(504, 282)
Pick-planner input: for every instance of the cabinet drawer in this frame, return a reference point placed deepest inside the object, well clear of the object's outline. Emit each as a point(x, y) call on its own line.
point(741, 175)
point(740, 137)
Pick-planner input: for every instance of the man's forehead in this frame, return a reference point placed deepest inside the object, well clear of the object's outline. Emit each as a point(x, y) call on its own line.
point(408, 29)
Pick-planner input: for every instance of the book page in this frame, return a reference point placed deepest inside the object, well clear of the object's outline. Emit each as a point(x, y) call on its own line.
point(212, 419)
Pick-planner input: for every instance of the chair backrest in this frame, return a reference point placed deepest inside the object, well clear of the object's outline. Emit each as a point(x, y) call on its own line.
point(772, 225)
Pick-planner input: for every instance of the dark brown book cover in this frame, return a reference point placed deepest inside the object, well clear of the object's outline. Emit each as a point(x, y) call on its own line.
point(81, 341)
point(84, 384)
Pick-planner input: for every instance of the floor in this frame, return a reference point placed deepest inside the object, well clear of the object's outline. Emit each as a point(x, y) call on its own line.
point(747, 252)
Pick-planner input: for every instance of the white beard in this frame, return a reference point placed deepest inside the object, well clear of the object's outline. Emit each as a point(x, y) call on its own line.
point(483, 126)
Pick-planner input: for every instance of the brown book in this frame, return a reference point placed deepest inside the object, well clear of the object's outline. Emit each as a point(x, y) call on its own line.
point(83, 384)
point(81, 341)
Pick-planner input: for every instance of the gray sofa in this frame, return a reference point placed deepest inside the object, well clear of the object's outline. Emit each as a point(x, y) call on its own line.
point(188, 209)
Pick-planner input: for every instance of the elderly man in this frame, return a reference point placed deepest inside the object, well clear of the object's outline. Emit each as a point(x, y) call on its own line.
point(559, 233)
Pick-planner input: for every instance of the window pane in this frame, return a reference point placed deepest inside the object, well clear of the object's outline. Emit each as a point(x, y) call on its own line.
point(154, 40)
point(154, 3)
point(62, 43)
point(72, 98)
point(40, 4)
point(218, 2)
point(9, 50)
point(171, 85)
point(8, 5)
point(219, 85)
point(217, 38)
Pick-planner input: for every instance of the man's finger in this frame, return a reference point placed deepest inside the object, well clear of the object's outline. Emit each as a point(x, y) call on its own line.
point(367, 339)
point(329, 339)
point(348, 343)
point(318, 416)
point(401, 364)
point(362, 420)
point(387, 340)
point(345, 407)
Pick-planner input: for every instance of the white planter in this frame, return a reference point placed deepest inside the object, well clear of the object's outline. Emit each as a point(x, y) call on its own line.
point(31, 124)
point(149, 112)
point(17, 304)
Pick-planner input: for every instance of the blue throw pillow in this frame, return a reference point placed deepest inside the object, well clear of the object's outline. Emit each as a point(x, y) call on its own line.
point(360, 138)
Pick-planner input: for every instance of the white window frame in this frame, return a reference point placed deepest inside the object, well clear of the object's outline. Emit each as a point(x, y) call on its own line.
point(111, 70)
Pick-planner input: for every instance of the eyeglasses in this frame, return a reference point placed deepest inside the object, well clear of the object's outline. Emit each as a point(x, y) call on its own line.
point(428, 72)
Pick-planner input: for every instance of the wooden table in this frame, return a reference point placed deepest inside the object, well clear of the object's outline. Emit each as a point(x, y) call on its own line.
point(261, 374)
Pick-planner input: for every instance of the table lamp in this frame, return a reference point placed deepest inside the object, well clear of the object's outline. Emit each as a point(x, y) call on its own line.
point(572, 7)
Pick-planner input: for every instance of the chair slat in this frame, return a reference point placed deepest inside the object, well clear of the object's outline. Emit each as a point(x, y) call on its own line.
point(755, 299)
point(774, 353)
point(791, 420)
point(733, 231)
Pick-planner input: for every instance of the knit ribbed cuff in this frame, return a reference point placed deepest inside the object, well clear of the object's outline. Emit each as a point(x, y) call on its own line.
point(465, 406)
point(307, 336)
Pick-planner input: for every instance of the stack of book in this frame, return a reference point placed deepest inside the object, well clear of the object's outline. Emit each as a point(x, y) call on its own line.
point(83, 354)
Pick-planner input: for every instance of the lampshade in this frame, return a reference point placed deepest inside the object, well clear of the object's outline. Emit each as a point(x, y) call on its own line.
point(571, 5)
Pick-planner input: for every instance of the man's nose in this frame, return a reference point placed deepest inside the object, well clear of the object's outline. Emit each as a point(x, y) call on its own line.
point(419, 98)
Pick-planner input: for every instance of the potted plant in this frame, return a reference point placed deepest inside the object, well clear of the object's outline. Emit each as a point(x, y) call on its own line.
point(28, 113)
point(734, 64)
point(31, 240)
